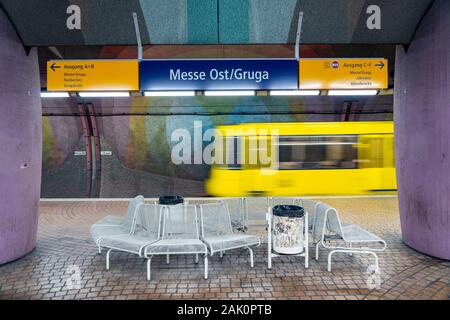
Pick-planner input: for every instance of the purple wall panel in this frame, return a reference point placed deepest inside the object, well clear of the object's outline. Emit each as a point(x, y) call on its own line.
point(422, 134)
point(20, 145)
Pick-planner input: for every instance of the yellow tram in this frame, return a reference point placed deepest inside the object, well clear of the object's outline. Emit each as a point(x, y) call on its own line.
point(313, 158)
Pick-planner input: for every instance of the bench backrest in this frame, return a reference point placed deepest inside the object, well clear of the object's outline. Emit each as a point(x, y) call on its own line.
point(236, 209)
point(334, 222)
point(326, 221)
point(180, 222)
point(130, 217)
point(148, 221)
point(215, 219)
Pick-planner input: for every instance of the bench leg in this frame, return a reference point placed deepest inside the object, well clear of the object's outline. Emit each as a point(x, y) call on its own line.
point(149, 262)
point(269, 245)
point(251, 257)
point(354, 251)
point(329, 260)
point(196, 258)
point(167, 259)
point(99, 250)
point(317, 250)
point(377, 269)
point(206, 266)
point(306, 241)
point(107, 258)
point(306, 257)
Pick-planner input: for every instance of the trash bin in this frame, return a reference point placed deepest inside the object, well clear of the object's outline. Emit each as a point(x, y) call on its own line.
point(171, 200)
point(287, 229)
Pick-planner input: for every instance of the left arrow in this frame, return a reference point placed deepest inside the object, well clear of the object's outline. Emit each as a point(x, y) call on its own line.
point(53, 66)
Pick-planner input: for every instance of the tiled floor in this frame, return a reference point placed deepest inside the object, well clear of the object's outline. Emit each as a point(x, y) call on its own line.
point(64, 242)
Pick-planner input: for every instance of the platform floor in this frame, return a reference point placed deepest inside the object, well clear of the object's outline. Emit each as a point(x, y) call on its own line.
point(64, 241)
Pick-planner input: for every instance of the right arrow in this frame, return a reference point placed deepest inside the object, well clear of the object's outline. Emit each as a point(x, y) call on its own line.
point(53, 67)
point(381, 65)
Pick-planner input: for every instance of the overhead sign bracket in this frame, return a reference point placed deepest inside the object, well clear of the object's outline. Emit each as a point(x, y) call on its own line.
point(298, 36)
point(138, 35)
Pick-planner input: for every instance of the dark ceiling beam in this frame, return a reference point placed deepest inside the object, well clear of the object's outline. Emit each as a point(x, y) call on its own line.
point(109, 22)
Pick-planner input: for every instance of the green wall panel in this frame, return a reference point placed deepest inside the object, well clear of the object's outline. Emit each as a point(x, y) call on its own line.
point(202, 21)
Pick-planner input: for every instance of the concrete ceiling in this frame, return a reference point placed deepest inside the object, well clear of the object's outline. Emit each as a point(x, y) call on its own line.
point(109, 22)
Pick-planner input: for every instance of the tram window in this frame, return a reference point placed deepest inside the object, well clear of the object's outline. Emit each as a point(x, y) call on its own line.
point(317, 152)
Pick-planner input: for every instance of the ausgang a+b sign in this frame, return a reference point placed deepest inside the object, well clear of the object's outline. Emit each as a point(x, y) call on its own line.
point(215, 74)
point(92, 75)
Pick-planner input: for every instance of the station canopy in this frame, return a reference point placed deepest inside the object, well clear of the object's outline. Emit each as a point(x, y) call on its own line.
point(174, 22)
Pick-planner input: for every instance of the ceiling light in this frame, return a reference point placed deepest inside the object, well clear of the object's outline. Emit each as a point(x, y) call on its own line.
point(54, 94)
point(169, 93)
point(294, 92)
point(352, 92)
point(104, 94)
point(229, 93)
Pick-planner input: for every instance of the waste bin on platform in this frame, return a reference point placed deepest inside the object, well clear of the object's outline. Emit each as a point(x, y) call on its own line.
point(171, 200)
point(288, 229)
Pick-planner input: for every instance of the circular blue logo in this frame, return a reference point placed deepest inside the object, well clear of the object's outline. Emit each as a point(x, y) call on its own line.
point(335, 64)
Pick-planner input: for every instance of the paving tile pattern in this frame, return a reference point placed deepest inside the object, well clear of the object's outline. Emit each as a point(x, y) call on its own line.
point(64, 242)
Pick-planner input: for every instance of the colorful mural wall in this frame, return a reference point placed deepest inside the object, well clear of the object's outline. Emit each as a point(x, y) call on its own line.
point(136, 137)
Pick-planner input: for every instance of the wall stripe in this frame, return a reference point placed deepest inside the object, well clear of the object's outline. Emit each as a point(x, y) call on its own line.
point(202, 22)
point(233, 21)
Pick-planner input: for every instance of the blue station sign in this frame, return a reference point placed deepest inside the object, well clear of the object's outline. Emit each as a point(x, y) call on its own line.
point(215, 74)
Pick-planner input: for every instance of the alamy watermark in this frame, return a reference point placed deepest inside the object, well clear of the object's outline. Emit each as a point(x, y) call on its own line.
point(373, 280)
point(73, 281)
point(232, 146)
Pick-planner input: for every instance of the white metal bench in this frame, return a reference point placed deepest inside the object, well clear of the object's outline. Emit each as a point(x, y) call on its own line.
point(179, 235)
point(354, 238)
point(114, 225)
point(217, 231)
point(145, 231)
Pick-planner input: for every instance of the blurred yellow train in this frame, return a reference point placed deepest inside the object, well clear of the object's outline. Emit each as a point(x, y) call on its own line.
point(313, 158)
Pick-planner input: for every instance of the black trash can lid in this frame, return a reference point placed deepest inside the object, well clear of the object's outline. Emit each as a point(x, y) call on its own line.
point(171, 200)
point(288, 211)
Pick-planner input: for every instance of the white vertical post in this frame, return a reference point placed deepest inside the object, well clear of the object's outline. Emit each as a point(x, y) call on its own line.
point(206, 266)
point(138, 35)
point(251, 257)
point(149, 262)
point(269, 238)
point(306, 244)
point(246, 209)
point(107, 258)
point(298, 36)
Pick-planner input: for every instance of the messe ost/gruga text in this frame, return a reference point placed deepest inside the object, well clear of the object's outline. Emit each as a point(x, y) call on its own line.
point(215, 74)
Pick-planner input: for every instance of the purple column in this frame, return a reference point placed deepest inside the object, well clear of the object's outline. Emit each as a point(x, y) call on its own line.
point(422, 134)
point(20, 145)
